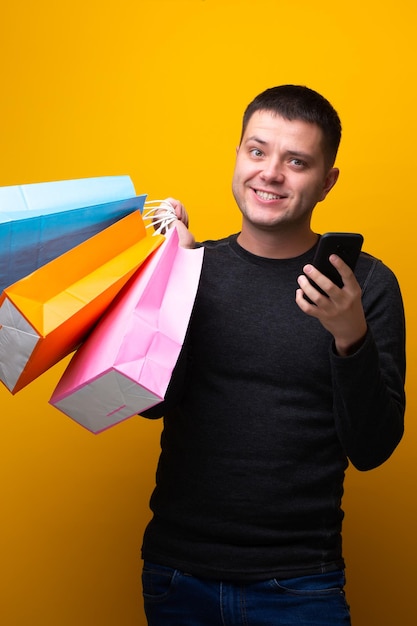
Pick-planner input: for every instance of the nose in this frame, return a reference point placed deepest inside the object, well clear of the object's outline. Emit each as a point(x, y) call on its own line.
point(273, 171)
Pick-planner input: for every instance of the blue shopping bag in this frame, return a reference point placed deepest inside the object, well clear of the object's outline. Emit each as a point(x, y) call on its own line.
point(41, 221)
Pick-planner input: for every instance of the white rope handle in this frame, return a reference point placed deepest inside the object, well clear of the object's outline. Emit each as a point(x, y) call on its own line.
point(162, 214)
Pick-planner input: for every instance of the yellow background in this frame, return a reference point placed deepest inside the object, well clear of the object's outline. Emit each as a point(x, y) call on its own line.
point(156, 89)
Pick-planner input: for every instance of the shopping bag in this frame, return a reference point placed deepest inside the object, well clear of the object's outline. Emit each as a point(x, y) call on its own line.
point(41, 221)
point(126, 363)
point(44, 316)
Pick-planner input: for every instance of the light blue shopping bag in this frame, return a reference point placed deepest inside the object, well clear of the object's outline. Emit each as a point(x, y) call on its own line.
point(41, 221)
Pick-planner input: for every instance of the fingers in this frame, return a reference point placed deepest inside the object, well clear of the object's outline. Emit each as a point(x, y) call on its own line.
point(342, 267)
point(322, 285)
point(315, 284)
point(179, 209)
point(185, 237)
point(164, 213)
point(308, 294)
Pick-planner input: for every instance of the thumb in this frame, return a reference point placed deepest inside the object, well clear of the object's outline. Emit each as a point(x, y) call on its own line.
point(186, 239)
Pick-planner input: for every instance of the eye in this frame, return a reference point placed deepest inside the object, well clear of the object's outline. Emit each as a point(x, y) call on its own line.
point(255, 152)
point(298, 163)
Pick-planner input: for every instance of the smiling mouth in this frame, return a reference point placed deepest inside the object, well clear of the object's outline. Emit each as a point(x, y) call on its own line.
point(264, 195)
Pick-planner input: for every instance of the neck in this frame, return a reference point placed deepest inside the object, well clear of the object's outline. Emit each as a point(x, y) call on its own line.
point(278, 244)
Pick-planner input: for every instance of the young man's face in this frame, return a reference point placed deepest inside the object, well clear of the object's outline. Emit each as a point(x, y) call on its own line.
point(280, 172)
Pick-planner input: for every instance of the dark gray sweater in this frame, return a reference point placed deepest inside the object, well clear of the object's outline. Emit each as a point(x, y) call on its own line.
point(262, 416)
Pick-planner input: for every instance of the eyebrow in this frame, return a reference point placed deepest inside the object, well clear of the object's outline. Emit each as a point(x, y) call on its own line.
point(298, 153)
point(257, 139)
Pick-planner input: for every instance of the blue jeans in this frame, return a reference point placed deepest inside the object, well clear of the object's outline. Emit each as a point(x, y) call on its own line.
point(173, 598)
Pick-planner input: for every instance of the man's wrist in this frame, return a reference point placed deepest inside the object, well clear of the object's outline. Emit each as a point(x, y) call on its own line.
point(344, 348)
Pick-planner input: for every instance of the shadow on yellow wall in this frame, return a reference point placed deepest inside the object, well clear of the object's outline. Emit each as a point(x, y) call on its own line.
point(155, 89)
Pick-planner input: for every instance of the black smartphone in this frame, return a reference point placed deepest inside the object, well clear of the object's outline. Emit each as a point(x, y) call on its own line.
point(346, 245)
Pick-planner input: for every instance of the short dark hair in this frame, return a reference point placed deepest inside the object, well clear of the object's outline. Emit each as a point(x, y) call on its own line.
point(297, 102)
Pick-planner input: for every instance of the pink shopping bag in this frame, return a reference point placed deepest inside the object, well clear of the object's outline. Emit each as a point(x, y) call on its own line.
point(125, 365)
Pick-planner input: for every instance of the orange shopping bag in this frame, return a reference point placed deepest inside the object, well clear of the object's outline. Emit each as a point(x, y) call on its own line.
point(45, 316)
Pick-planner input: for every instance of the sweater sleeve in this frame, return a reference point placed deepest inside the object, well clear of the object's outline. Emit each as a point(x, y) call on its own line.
point(369, 397)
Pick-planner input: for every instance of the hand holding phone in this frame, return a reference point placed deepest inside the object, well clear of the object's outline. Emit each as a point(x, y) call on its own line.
point(347, 246)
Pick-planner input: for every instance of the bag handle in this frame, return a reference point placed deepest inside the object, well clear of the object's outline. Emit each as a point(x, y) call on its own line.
point(162, 214)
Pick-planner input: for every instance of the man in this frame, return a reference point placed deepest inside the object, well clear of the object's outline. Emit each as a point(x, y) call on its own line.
point(272, 395)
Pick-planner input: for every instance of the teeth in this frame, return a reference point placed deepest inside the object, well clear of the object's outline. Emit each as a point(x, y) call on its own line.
point(267, 196)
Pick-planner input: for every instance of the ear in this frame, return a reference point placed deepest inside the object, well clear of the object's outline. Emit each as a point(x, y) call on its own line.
point(329, 181)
